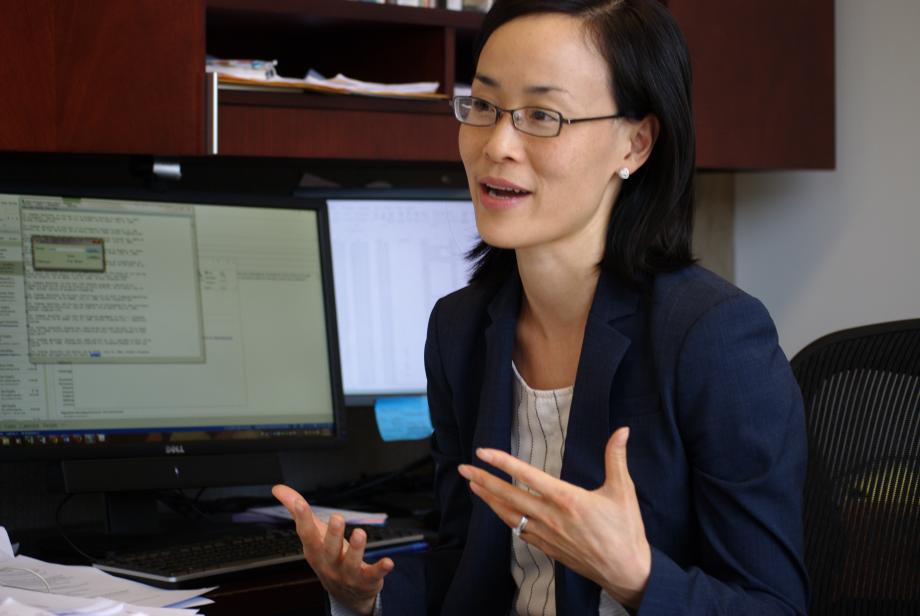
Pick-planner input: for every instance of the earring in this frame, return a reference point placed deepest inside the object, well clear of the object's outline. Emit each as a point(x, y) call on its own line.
point(624, 172)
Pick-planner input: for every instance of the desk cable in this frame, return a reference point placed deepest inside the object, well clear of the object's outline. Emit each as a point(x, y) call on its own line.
point(60, 527)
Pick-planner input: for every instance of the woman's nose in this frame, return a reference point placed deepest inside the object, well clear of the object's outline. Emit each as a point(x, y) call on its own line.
point(504, 142)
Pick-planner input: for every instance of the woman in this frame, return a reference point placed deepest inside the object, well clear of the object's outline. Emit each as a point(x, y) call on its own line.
point(585, 327)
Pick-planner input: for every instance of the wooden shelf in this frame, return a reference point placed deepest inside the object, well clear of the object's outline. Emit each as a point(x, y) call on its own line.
point(343, 102)
point(332, 126)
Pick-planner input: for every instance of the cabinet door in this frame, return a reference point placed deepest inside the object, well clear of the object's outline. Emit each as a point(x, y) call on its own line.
point(27, 75)
point(763, 82)
point(103, 76)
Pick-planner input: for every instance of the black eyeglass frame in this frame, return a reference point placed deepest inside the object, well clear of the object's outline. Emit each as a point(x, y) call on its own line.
point(455, 105)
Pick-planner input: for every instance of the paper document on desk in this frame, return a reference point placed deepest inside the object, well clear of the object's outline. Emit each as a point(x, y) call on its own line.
point(68, 589)
point(6, 548)
point(11, 607)
point(351, 516)
point(18, 602)
point(88, 582)
point(41, 603)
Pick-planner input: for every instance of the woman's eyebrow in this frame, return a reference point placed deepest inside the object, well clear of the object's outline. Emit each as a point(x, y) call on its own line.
point(486, 80)
point(535, 89)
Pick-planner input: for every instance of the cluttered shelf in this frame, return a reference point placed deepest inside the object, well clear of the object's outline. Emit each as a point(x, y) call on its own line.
point(372, 42)
point(299, 113)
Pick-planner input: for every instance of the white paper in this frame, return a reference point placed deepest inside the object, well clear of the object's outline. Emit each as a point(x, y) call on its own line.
point(11, 607)
point(6, 548)
point(255, 71)
point(371, 87)
point(77, 581)
point(82, 591)
point(97, 606)
point(351, 516)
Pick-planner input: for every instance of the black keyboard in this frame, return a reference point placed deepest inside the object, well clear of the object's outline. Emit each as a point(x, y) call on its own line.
point(222, 555)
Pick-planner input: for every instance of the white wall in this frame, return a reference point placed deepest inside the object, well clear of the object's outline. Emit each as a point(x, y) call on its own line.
point(829, 250)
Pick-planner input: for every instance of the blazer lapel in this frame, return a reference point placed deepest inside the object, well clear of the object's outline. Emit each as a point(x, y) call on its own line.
point(589, 421)
point(485, 564)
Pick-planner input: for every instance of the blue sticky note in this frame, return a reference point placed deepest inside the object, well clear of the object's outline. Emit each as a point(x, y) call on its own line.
point(403, 418)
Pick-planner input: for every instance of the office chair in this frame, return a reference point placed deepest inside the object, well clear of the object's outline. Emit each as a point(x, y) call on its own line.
point(861, 388)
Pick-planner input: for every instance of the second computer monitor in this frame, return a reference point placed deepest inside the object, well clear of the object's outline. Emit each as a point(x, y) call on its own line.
point(392, 259)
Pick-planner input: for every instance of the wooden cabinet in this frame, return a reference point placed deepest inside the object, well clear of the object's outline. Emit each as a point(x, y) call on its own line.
point(108, 76)
point(102, 76)
point(763, 82)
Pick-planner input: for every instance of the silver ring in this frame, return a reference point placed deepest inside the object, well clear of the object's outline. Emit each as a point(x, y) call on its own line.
point(517, 530)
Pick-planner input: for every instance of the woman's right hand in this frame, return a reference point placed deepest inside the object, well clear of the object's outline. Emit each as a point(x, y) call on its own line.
point(339, 564)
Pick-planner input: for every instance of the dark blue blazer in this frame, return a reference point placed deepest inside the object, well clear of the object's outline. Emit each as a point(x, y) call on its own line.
point(717, 448)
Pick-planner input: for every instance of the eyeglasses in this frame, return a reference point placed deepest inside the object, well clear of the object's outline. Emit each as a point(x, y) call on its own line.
point(534, 121)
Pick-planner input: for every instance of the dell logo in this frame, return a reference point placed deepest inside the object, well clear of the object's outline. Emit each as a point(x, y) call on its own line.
point(175, 449)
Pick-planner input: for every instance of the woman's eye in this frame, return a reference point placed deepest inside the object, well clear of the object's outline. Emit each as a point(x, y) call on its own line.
point(482, 105)
point(541, 115)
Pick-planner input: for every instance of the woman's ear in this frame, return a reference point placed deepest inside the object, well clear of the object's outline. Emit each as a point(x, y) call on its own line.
point(643, 135)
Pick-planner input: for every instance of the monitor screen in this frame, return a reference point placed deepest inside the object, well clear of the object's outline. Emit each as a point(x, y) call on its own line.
point(162, 326)
point(392, 260)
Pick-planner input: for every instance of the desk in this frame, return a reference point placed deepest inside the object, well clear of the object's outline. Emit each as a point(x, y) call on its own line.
point(274, 591)
point(269, 593)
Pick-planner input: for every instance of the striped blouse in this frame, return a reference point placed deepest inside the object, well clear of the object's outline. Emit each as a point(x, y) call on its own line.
point(538, 428)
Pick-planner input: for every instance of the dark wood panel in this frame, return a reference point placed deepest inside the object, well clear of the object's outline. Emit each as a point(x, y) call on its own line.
point(763, 82)
point(449, 75)
point(131, 76)
point(324, 133)
point(27, 75)
point(337, 12)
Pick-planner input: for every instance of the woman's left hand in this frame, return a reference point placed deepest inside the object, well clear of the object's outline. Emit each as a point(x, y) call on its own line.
point(598, 534)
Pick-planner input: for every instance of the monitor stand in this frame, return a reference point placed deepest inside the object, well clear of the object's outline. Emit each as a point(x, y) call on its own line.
point(131, 513)
point(130, 485)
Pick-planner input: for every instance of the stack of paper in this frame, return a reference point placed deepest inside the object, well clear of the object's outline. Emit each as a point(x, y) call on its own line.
point(36, 588)
point(259, 75)
point(371, 87)
point(25, 602)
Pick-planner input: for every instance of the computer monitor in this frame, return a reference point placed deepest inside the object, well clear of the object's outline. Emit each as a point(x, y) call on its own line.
point(152, 342)
point(392, 259)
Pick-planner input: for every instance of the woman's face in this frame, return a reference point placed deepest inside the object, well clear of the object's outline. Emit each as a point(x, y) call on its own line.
point(565, 186)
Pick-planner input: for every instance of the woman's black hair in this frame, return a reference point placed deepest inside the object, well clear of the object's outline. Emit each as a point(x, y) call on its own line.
point(651, 225)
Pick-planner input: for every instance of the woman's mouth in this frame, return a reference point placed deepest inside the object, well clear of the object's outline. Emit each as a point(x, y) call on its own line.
point(497, 194)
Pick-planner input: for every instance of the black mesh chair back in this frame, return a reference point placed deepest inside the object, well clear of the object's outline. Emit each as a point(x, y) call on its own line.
point(861, 388)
